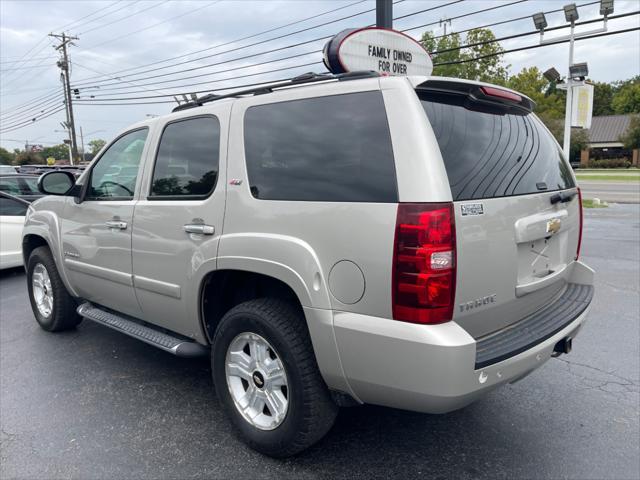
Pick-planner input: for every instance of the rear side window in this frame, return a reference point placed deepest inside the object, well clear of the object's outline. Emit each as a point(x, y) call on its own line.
point(188, 158)
point(334, 149)
point(491, 154)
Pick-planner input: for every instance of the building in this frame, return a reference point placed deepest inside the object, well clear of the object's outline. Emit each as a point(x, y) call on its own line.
point(604, 140)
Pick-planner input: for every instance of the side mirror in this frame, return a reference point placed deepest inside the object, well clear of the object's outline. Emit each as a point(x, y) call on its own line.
point(57, 182)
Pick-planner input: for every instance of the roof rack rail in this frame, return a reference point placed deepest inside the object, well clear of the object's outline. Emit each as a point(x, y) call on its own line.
point(299, 80)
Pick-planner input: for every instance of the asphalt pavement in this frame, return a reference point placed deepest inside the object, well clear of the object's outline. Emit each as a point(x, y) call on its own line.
point(611, 191)
point(93, 403)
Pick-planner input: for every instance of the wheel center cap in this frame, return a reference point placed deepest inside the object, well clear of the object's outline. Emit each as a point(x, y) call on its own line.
point(258, 379)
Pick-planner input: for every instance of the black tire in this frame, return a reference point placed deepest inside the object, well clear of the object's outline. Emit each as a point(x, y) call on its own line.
point(311, 411)
point(63, 314)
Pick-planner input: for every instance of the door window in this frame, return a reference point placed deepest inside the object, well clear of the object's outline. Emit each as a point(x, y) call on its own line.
point(12, 208)
point(114, 176)
point(187, 159)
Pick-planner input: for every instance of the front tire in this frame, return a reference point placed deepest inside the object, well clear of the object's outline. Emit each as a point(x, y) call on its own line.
point(53, 307)
point(267, 379)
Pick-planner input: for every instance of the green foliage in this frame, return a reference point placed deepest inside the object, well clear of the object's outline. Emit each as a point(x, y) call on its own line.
point(446, 49)
point(602, 97)
point(96, 145)
point(626, 99)
point(29, 158)
point(631, 138)
point(610, 163)
point(59, 152)
point(6, 157)
point(550, 102)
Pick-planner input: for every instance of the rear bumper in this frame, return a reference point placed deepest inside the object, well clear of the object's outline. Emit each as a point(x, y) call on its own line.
point(430, 368)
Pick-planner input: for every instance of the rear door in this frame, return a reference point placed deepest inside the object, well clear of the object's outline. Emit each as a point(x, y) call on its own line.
point(515, 241)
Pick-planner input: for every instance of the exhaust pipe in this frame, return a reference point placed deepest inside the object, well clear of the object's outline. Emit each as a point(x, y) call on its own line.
point(563, 346)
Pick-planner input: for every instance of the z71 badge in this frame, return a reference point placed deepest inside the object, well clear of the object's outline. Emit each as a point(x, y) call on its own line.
point(471, 209)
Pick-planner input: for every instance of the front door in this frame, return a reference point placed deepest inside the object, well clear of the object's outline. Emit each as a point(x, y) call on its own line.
point(178, 221)
point(96, 233)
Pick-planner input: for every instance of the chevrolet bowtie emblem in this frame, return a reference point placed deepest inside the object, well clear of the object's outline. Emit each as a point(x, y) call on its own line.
point(553, 226)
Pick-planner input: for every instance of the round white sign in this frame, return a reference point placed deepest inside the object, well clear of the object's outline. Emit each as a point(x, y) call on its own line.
point(382, 50)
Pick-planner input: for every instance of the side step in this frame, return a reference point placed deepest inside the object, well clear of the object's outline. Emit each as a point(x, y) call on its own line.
point(168, 343)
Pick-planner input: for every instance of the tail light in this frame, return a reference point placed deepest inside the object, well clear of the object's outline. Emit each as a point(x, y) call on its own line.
point(424, 271)
point(579, 231)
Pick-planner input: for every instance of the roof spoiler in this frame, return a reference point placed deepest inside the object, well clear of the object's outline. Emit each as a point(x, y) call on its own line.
point(480, 93)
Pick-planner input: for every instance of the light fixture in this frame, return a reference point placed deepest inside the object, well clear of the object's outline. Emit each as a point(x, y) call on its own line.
point(606, 7)
point(552, 75)
point(579, 71)
point(571, 12)
point(539, 21)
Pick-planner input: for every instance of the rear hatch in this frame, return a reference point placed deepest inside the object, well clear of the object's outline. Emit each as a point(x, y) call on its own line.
point(517, 211)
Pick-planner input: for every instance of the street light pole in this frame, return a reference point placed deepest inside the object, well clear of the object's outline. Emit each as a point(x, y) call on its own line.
point(566, 143)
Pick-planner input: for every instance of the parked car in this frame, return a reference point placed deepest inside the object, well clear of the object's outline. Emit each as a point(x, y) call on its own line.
point(12, 213)
point(329, 241)
point(19, 185)
point(7, 170)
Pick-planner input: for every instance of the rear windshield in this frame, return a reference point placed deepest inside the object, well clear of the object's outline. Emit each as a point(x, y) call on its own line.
point(492, 153)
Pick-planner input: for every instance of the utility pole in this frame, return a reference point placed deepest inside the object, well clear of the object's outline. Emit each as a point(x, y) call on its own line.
point(384, 13)
point(443, 22)
point(63, 63)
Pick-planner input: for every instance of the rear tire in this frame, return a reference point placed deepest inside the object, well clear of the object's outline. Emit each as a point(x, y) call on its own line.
point(304, 412)
point(53, 307)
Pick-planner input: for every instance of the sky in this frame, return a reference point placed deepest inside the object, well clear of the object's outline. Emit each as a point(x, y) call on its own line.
point(122, 42)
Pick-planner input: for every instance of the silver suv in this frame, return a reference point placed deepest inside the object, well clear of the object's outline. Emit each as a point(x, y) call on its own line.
point(330, 241)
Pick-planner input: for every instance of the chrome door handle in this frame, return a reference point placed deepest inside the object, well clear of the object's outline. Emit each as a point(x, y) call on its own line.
point(117, 224)
point(199, 228)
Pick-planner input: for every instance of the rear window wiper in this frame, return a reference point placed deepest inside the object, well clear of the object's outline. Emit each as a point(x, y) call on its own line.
point(563, 197)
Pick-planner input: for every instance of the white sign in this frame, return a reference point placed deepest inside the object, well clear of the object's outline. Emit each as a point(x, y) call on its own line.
point(582, 106)
point(381, 50)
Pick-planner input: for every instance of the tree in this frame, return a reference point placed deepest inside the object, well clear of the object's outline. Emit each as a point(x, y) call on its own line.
point(96, 145)
point(29, 158)
point(550, 102)
point(446, 51)
point(59, 152)
point(631, 137)
point(6, 157)
point(602, 97)
point(626, 98)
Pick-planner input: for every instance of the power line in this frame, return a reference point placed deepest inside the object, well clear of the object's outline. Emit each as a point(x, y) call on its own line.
point(135, 32)
point(317, 62)
point(532, 32)
point(253, 65)
point(242, 38)
point(531, 47)
point(238, 48)
point(104, 25)
point(308, 53)
point(94, 102)
point(33, 109)
point(502, 5)
point(91, 14)
point(24, 123)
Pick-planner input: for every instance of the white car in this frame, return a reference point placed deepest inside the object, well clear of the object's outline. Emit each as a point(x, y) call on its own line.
point(12, 212)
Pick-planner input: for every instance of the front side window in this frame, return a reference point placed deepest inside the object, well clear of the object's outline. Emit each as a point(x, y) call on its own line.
point(10, 185)
point(12, 208)
point(187, 160)
point(335, 149)
point(114, 176)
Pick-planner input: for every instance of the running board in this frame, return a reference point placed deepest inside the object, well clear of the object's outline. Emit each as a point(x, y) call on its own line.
point(164, 341)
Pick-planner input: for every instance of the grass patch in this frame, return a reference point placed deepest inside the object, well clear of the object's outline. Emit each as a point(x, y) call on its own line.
point(588, 203)
point(634, 177)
